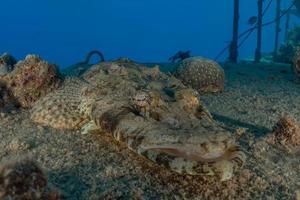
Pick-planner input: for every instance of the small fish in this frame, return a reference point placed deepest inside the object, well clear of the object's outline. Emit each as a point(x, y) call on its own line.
point(252, 20)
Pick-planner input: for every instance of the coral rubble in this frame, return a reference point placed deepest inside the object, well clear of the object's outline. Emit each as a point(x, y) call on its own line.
point(202, 74)
point(31, 79)
point(24, 179)
point(286, 132)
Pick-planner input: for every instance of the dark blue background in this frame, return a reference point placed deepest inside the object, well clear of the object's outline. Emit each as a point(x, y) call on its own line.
point(63, 31)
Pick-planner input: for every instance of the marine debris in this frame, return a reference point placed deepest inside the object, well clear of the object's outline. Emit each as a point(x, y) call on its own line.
point(180, 56)
point(7, 63)
point(24, 179)
point(201, 74)
point(79, 68)
point(91, 53)
point(31, 79)
point(153, 113)
point(286, 132)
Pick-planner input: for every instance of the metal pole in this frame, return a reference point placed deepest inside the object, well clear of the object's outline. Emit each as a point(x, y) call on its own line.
point(277, 29)
point(259, 31)
point(233, 50)
point(287, 26)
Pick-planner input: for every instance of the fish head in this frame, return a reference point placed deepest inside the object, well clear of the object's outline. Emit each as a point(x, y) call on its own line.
point(196, 155)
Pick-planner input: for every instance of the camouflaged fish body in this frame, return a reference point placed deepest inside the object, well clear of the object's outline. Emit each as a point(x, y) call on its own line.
point(154, 114)
point(66, 108)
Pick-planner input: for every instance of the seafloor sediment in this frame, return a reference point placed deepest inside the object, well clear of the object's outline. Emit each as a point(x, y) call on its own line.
point(97, 167)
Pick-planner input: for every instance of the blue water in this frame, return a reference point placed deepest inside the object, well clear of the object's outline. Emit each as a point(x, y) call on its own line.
point(64, 31)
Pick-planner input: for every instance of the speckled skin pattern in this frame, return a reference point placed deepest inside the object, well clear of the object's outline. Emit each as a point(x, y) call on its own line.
point(153, 113)
point(202, 74)
point(65, 106)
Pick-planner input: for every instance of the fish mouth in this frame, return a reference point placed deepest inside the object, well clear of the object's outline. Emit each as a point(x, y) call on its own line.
point(190, 154)
point(232, 153)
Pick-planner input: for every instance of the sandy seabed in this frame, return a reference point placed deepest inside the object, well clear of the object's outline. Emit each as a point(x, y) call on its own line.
point(95, 166)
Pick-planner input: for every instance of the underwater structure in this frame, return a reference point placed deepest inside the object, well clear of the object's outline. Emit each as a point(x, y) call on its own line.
point(257, 56)
point(257, 24)
point(277, 29)
point(233, 50)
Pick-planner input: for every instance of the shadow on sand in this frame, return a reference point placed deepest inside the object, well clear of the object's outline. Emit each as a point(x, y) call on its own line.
point(230, 123)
